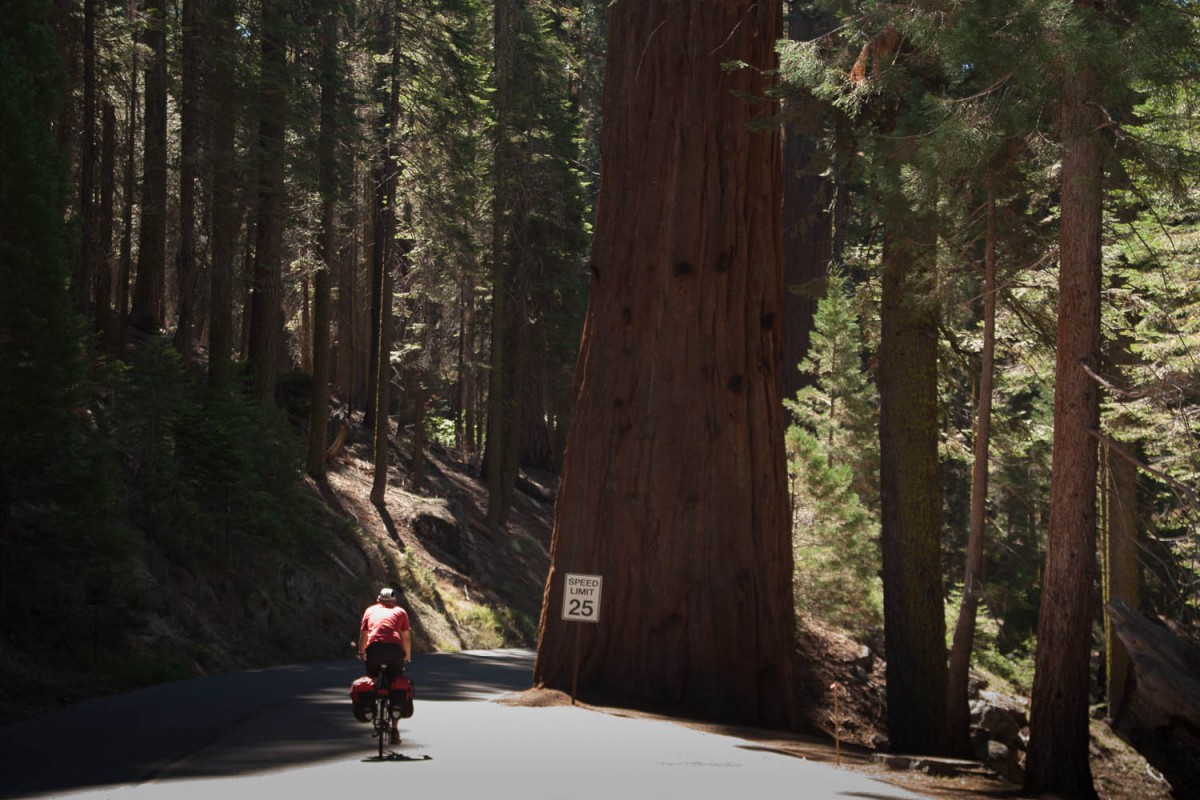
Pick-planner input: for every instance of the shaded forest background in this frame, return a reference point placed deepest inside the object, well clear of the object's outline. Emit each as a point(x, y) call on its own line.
point(238, 239)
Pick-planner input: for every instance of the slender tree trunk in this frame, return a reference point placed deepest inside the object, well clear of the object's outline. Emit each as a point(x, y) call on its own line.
point(1120, 528)
point(147, 311)
point(383, 229)
point(844, 150)
point(319, 410)
point(501, 398)
point(266, 310)
point(910, 487)
point(362, 276)
point(517, 367)
point(378, 261)
point(125, 267)
point(226, 212)
point(88, 264)
point(537, 415)
point(327, 186)
point(385, 236)
point(463, 411)
point(104, 276)
point(807, 221)
point(306, 333)
point(66, 34)
point(675, 485)
point(1057, 758)
point(417, 476)
point(344, 343)
point(498, 408)
point(957, 701)
point(189, 155)
point(1121, 567)
point(382, 371)
point(247, 284)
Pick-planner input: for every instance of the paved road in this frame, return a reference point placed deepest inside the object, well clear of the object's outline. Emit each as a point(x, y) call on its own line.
point(288, 732)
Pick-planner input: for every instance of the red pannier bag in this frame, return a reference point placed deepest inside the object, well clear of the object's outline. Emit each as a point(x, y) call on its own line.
point(402, 696)
point(362, 695)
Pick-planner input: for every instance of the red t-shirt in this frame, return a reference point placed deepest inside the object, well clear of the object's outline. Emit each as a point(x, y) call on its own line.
point(384, 624)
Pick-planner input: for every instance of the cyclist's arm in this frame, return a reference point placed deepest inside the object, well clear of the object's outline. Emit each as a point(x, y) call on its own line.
point(406, 640)
point(362, 644)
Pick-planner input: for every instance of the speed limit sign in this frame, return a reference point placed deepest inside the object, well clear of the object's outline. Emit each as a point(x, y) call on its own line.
point(581, 598)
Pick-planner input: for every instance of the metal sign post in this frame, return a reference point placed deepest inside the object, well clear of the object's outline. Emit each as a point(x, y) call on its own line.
point(581, 603)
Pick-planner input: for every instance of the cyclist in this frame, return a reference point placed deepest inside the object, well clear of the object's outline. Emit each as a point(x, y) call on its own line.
point(384, 637)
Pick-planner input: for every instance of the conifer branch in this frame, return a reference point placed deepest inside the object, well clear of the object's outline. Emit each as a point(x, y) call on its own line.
point(1188, 492)
point(1000, 82)
point(1131, 395)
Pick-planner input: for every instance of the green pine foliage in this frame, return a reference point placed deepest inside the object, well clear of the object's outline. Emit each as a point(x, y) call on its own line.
point(550, 232)
point(979, 119)
point(840, 405)
point(207, 476)
point(832, 450)
point(1151, 412)
point(58, 539)
point(41, 373)
point(976, 103)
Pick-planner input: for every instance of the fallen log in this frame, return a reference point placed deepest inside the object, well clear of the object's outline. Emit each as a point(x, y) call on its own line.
point(1160, 717)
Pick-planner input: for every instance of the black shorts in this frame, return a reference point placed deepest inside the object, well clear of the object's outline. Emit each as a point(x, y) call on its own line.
point(380, 653)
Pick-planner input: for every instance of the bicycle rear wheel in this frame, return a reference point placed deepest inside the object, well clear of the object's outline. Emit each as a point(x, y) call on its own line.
point(383, 721)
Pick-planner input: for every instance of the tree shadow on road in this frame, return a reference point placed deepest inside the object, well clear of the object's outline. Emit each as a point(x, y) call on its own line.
point(395, 757)
point(226, 725)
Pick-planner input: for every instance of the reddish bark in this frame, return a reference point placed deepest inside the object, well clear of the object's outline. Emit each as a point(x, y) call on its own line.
point(1058, 747)
point(674, 486)
point(957, 700)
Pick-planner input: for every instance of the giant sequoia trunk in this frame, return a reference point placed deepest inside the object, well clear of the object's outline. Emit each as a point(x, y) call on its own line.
point(1058, 747)
point(674, 485)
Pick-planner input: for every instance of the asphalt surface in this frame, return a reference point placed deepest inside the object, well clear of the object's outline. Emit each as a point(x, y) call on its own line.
point(289, 732)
